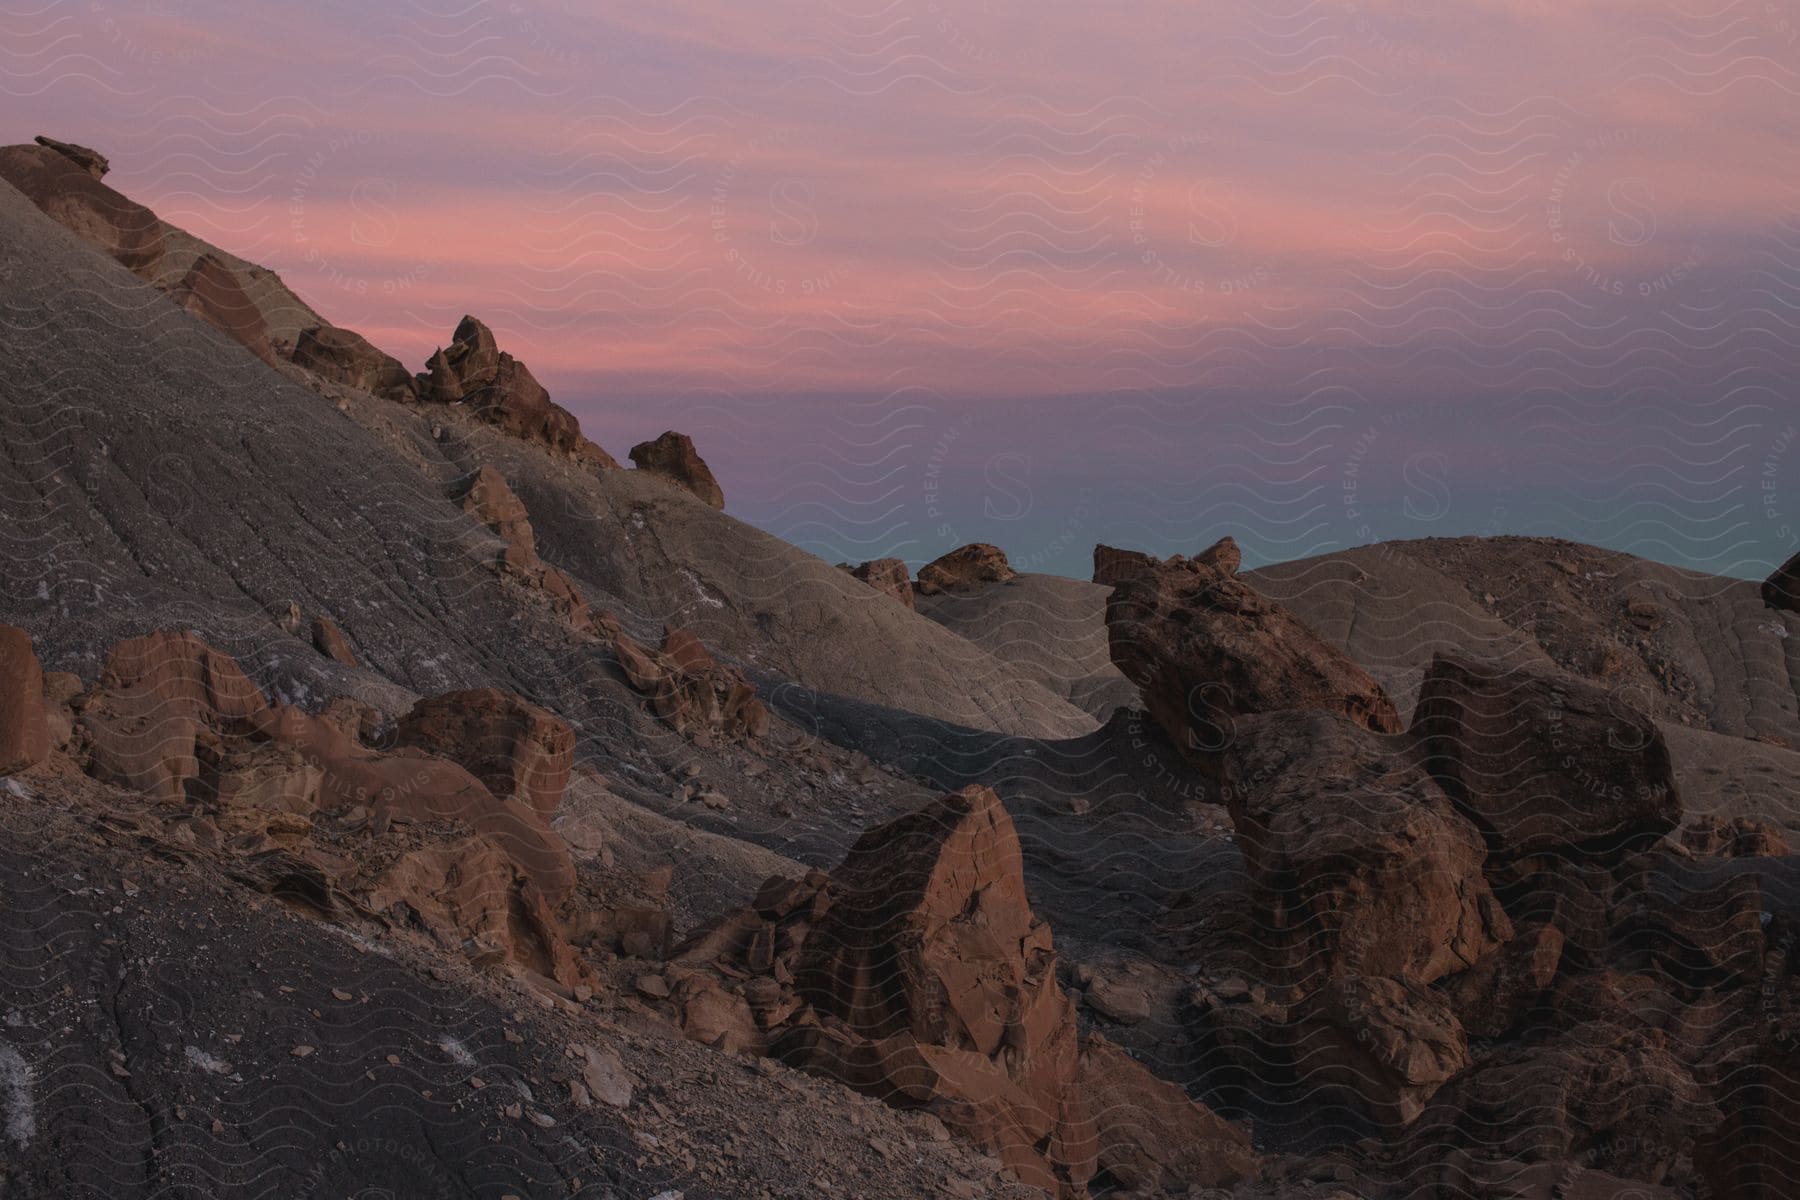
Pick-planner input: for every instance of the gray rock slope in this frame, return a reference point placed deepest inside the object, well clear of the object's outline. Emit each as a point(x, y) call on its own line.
point(155, 474)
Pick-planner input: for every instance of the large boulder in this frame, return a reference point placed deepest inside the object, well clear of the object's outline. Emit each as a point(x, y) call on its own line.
point(472, 896)
point(941, 982)
point(1545, 764)
point(1113, 565)
point(519, 751)
point(1782, 589)
point(348, 358)
point(1361, 864)
point(71, 194)
point(917, 973)
point(1203, 647)
point(965, 567)
point(213, 293)
point(24, 720)
point(673, 457)
point(162, 701)
point(497, 387)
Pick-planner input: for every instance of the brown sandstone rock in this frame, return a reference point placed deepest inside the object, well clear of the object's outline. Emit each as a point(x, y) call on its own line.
point(1149, 1135)
point(89, 160)
point(473, 897)
point(515, 748)
point(1113, 566)
point(945, 985)
point(490, 500)
point(161, 701)
point(965, 567)
point(1385, 1045)
point(413, 786)
point(330, 641)
point(473, 370)
point(673, 457)
point(24, 723)
point(1545, 764)
point(70, 194)
point(1204, 647)
point(345, 357)
point(696, 694)
point(1364, 866)
point(887, 575)
point(1782, 589)
point(211, 292)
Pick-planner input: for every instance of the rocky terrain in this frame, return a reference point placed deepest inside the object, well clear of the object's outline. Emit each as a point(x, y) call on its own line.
point(404, 797)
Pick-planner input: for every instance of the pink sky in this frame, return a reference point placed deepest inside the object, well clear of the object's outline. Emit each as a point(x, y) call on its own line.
point(711, 208)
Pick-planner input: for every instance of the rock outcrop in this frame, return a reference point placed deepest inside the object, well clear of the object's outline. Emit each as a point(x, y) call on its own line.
point(673, 457)
point(696, 694)
point(887, 575)
point(161, 702)
point(213, 293)
point(490, 499)
point(918, 973)
point(516, 749)
point(497, 387)
point(1782, 589)
point(1361, 864)
point(89, 160)
point(348, 358)
point(965, 567)
point(24, 721)
point(72, 195)
point(1203, 647)
point(1545, 765)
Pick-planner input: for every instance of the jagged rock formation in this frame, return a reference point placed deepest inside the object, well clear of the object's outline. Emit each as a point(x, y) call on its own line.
point(500, 389)
point(965, 567)
point(1204, 647)
point(696, 694)
point(73, 196)
point(673, 457)
point(918, 973)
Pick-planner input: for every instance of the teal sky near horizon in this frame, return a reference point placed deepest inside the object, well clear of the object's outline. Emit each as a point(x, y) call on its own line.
point(916, 273)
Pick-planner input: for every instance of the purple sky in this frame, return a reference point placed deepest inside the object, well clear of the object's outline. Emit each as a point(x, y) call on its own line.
point(916, 272)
